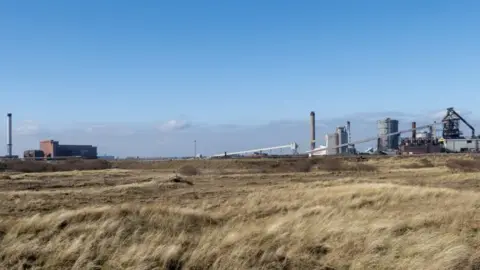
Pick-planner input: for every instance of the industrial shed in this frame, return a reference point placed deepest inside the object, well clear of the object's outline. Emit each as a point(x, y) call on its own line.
point(52, 149)
point(461, 145)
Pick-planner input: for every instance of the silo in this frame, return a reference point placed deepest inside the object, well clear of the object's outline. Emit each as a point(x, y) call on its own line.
point(331, 140)
point(342, 139)
point(385, 127)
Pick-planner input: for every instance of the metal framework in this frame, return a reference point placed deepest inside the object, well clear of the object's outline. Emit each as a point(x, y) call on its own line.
point(292, 146)
point(374, 138)
point(451, 125)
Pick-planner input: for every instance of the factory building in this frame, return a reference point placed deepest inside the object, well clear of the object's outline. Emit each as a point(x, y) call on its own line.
point(33, 154)
point(453, 140)
point(331, 140)
point(461, 145)
point(387, 126)
point(107, 157)
point(425, 148)
point(52, 149)
point(342, 139)
point(420, 142)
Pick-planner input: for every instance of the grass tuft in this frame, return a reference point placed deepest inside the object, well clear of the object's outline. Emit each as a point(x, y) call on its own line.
point(188, 170)
point(463, 165)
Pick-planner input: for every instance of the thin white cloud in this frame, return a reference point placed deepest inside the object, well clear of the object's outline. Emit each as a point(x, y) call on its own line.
point(27, 127)
point(118, 130)
point(172, 125)
point(375, 116)
point(94, 128)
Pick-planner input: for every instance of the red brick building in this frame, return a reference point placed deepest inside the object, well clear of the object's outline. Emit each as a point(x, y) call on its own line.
point(52, 149)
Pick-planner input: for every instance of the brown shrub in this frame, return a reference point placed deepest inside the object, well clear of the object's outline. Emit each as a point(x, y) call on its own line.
point(83, 164)
point(463, 165)
point(330, 165)
point(3, 166)
point(475, 261)
point(422, 163)
point(187, 170)
point(303, 165)
point(139, 164)
point(335, 165)
point(426, 163)
point(30, 166)
point(258, 171)
point(222, 171)
point(361, 167)
point(178, 179)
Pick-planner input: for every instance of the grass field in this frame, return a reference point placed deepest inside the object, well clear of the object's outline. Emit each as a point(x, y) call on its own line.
point(385, 213)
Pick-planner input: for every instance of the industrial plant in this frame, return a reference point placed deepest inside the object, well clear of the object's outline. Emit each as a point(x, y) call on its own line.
point(49, 149)
point(389, 141)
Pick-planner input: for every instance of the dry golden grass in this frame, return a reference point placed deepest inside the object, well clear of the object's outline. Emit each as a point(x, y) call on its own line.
point(421, 163)
point(188, 170)
point(30, 166)
point(377, 214)
point(463, 165)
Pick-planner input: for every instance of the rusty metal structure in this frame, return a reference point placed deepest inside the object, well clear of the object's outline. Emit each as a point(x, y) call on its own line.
point(451, 125)
point(422, 143)
point(453, 140)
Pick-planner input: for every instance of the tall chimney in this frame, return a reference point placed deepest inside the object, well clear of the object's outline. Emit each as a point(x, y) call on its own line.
point(414, 131)
point(349, 136)
point(9, 135)
point(312, 130)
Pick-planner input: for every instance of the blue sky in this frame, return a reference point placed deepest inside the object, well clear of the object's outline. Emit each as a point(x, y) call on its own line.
point(234, 62)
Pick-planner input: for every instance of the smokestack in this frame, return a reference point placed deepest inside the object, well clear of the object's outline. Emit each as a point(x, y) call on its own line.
point(414, 131)
point(312, 130)
point(9, 135)
point(349, 135)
